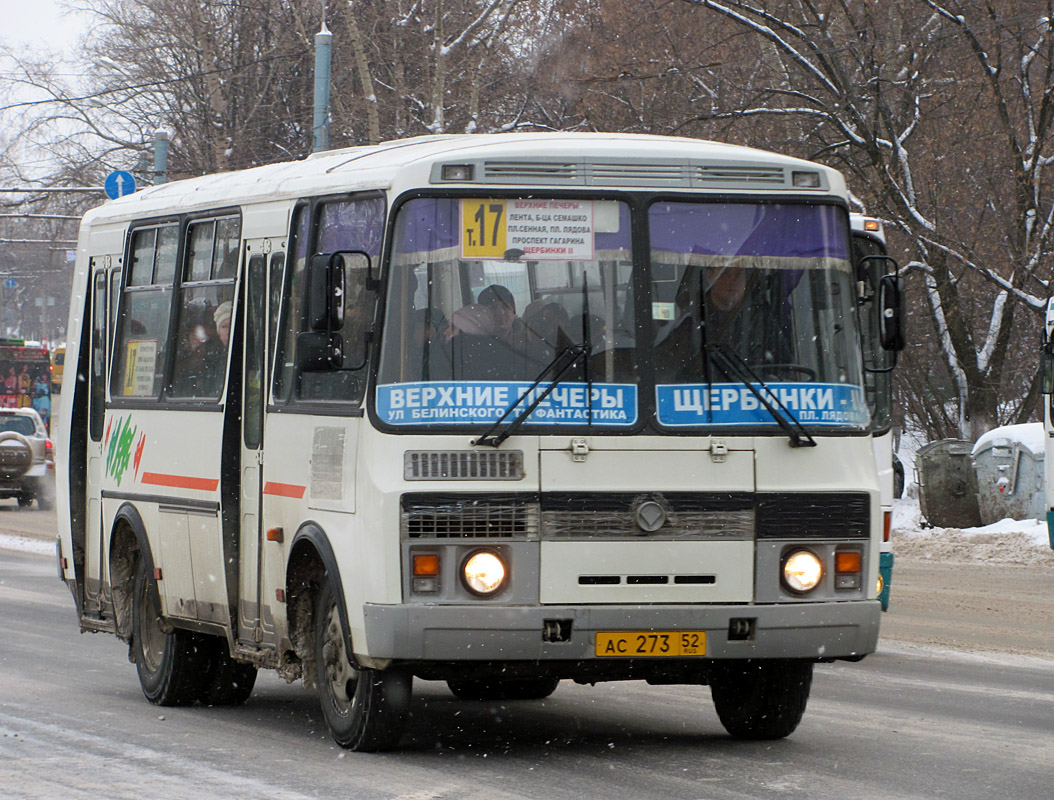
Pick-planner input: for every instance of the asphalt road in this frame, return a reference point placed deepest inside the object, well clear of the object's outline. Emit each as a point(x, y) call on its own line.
point(907, 722)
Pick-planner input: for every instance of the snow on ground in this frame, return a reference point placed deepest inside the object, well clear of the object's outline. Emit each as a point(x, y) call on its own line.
point(1021, 542)
point(26, 544)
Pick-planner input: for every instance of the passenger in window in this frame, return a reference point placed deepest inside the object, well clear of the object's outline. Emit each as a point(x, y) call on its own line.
point(222, 319)
point(215, 355)
point(501, 305)
point(191, 373)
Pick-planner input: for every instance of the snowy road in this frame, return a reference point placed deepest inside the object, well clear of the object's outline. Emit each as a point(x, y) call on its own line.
point(905, 723)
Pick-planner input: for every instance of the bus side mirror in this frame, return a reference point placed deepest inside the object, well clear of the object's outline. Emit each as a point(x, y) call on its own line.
point(891, 313)
point(325, 293)
point(339, 305)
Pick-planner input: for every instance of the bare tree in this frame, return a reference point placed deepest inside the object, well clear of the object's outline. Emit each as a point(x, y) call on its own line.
point(934, 109)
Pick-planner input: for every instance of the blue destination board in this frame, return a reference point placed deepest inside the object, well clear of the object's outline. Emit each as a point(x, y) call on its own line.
point(683, 405)
point(481, 402)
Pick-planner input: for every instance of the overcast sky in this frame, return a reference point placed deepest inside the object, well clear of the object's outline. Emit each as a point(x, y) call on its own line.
point(43, 24)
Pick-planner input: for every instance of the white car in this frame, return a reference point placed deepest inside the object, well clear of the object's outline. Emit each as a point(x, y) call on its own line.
point(27, 465)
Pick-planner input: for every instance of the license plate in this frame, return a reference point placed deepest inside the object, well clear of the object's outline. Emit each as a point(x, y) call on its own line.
point(650, 644)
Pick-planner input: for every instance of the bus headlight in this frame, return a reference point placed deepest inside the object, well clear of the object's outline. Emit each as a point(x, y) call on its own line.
point(802, 571)
point(483, 573)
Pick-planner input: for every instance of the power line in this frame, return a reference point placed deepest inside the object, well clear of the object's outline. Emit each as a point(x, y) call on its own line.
point(55, 189)
point(39, 216)
point(38, 241)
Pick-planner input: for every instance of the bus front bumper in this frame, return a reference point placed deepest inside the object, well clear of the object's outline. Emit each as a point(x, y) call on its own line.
point(519, 633)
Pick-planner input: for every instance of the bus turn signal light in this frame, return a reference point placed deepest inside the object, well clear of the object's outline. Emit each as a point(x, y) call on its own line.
point(426, 564)
point(847, 562)
point(848, 566)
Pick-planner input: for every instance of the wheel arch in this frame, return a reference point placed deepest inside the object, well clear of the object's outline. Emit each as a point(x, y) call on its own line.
point(128, 544)
point(311, 561)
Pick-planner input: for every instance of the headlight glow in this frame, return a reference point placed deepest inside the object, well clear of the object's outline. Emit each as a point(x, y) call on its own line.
point(802, 571)
point(483, 573)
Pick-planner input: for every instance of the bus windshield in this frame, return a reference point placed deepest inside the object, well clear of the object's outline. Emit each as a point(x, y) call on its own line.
point(483, 295)
point(767, 285)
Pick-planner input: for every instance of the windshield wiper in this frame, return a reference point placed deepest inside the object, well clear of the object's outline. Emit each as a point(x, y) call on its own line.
point(734, 367)
point(561, 363)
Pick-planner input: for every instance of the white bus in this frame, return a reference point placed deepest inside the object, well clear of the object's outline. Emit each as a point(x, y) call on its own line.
point(497, 410)
point(869, 249)
point(1047, 367)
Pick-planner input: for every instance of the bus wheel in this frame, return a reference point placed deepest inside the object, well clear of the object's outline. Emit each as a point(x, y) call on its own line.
point(171, 665)
point(230, 682)
point(761, 699)
point(503, 689)
point(365, 709)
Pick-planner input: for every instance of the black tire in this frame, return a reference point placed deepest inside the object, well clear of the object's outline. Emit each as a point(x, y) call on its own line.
point(365, 709)
point(503, 688)
point(761, 699)
point(229, 682)
point(25, 500)
point(172, 666)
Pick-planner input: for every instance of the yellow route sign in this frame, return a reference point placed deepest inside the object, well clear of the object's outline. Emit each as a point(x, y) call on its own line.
point(483, 229)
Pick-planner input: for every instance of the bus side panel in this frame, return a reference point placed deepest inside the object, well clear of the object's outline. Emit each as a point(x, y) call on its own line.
point(309, 475)
point(171, 459)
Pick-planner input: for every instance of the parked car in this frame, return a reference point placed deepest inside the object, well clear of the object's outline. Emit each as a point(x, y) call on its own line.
point(27, 464)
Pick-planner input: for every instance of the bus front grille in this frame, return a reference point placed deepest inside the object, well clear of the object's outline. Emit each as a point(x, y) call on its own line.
point(437, 516)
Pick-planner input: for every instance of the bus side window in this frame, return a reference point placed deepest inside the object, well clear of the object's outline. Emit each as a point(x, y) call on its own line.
point(206, 300)
point(358, 225)
point(353, 224)
point(290, 321)
point(146, 304)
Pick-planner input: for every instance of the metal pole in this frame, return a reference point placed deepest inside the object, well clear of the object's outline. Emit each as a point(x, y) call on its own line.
point(323, 50)
point(160, 156)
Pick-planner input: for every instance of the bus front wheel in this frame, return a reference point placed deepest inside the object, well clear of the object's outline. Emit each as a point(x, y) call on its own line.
point(761, 699)
point(365, 709)
point(171, 662)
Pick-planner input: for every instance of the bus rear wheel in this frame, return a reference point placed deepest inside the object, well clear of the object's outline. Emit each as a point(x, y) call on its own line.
point(503, 688)
point(365, 709)
point(172, 663)
point(761, 699)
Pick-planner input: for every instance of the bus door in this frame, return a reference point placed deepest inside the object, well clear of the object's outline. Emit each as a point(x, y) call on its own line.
point(255, 623)
point(104, 271)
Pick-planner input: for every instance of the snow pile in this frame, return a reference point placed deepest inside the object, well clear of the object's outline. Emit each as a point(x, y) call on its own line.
point(1019, 542)
point(1029, 436)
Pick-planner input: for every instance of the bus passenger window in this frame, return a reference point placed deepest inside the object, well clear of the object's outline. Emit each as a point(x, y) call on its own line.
point(145, 310)
point(206, 299)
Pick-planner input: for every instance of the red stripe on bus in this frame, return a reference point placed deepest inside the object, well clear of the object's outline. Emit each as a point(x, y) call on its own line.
point(284, 489)
point(180, 481)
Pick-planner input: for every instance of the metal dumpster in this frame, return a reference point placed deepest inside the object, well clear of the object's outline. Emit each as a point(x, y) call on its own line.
point(947, 484)
point(1009, 465)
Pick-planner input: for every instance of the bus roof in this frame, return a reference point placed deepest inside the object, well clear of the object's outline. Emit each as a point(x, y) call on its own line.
point(571, 159)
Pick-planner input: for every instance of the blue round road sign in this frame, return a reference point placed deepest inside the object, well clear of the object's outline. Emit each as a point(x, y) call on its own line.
point(119, 183)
